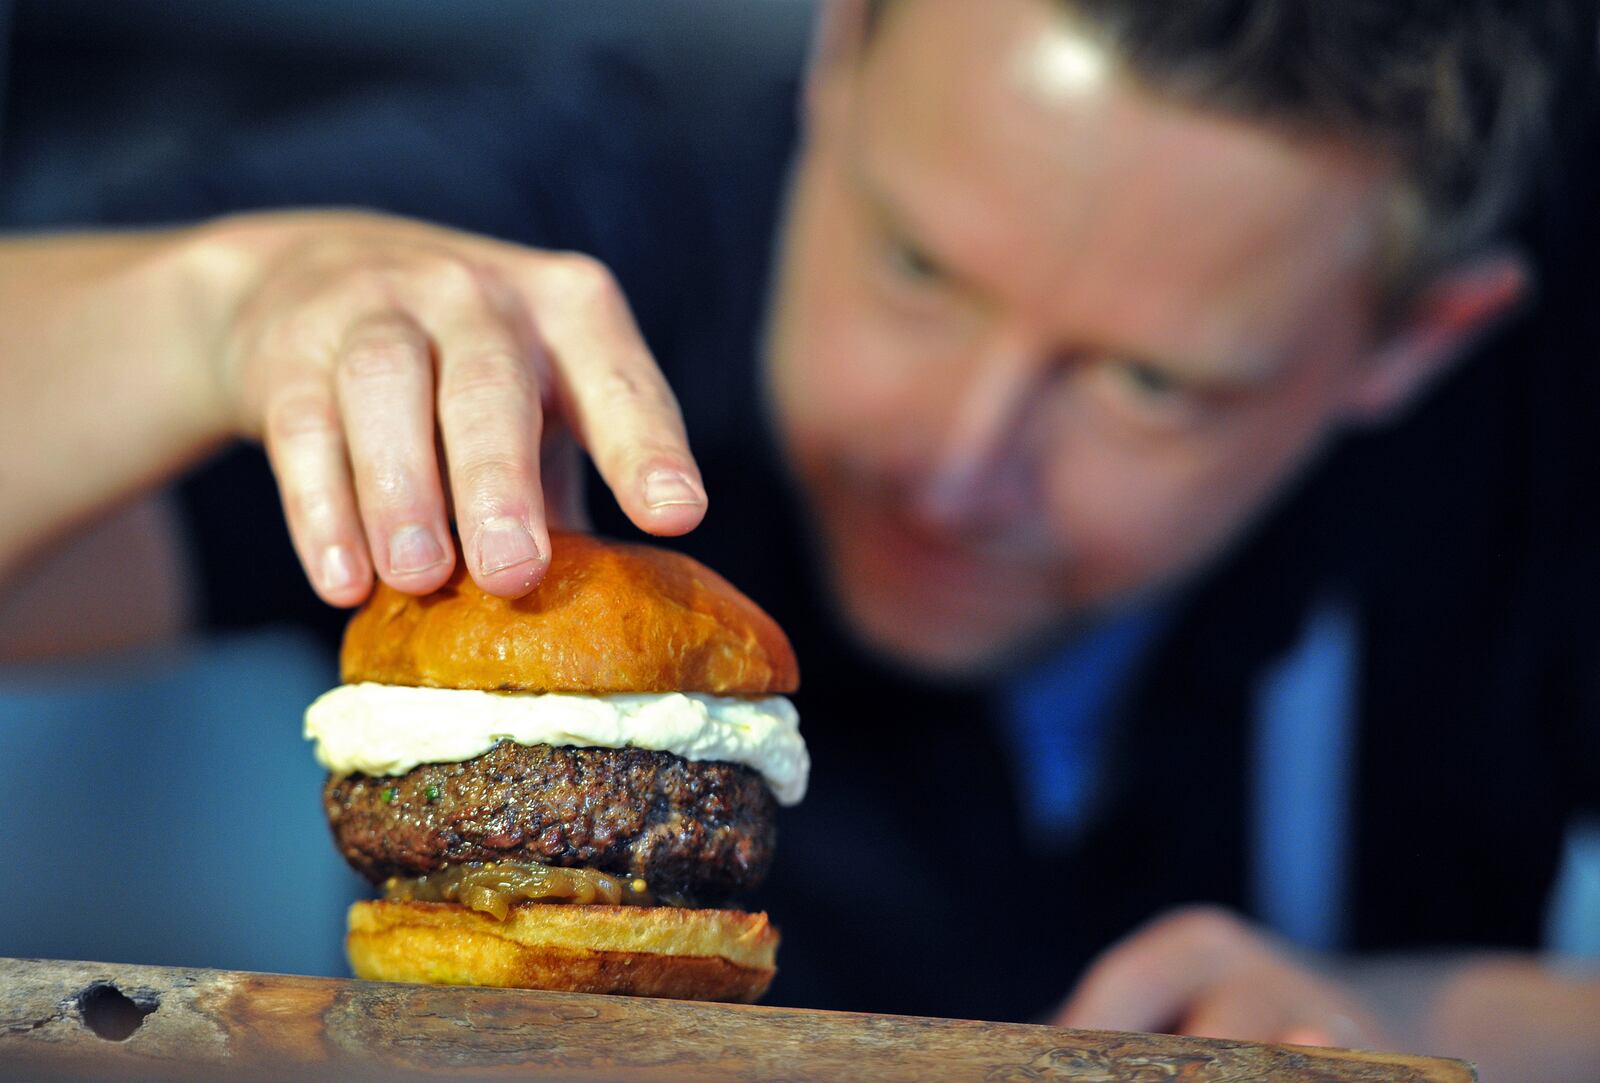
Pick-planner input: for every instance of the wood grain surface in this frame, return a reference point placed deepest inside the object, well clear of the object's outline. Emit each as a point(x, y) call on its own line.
point(72, 1020)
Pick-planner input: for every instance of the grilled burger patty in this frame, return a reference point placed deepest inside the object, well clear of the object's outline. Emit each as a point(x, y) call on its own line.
point(702, 831)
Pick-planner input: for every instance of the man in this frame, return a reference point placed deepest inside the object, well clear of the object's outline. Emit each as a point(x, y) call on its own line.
point(1068, 295)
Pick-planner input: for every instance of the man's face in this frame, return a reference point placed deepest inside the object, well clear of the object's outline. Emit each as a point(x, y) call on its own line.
point(1042, 339)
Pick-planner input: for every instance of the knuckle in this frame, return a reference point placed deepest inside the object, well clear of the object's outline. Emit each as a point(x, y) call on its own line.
point(620, 388)
point(620, 385)
point(1204, 924)
point(490, 477)
point(297, 333)
point(494, 372)
point(583, 279)
point(389, 484)
point(624, 455)
point(379, 355)
point(639, 457)
point(358, 287)
point(450, 276)
point(312, 506)
point(298, 414)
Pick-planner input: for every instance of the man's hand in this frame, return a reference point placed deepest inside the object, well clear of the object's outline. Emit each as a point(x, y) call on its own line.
point(1204, 972)
point(392, 369)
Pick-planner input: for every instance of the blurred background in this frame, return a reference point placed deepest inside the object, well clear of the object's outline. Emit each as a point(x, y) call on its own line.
point(96, 94)
point(160, 807)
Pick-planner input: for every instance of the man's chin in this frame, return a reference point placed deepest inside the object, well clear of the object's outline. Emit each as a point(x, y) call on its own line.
point(938, 656)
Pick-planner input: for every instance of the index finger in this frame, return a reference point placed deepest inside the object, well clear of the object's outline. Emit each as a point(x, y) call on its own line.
point(615, 397)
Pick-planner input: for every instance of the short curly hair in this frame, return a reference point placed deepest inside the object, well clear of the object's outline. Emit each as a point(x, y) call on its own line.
point(1459, 93)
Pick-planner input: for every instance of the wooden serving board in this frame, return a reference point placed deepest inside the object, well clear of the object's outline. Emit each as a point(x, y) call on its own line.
point(72, 1020)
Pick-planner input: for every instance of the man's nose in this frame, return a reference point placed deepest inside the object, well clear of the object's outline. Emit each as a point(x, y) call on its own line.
point(981, 469)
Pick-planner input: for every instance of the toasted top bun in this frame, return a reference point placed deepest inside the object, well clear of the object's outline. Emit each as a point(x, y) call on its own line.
point(608, 617)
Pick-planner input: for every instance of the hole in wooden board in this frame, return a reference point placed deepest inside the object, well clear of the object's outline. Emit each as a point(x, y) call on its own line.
point(111, 1013)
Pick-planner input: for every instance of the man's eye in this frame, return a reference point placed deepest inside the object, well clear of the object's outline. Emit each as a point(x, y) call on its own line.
point(1147, 380)
point(910, 264)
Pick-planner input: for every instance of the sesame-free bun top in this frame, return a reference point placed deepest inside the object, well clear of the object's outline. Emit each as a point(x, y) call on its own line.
point(607, 617)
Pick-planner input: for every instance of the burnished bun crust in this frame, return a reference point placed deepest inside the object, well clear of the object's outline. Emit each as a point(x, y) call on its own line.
point(659, 951)
point(608, 617)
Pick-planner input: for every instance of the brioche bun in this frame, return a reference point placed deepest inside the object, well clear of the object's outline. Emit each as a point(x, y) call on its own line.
point(640, 951)
point(607, 618)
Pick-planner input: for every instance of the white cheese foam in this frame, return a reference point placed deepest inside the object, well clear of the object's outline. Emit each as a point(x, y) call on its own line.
point(382, 729)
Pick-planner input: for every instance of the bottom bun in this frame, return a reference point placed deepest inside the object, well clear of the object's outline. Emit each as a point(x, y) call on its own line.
point(653, 951)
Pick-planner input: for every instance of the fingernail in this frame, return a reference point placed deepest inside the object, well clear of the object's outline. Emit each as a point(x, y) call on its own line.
point(412, 549)
point(504, 543)
point(670, 489)
point(338, 568)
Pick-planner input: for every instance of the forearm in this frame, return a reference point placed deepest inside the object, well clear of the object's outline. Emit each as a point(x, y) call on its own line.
point(112, 349)
point(1516, 1016)
point(104, 388)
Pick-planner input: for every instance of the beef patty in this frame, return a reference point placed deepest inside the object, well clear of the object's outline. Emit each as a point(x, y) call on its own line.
point(702, 831)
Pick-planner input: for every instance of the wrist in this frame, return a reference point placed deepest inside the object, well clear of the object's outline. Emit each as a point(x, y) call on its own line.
point(218, 265)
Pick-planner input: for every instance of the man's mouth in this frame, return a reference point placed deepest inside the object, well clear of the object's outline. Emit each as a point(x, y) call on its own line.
point(903, 544)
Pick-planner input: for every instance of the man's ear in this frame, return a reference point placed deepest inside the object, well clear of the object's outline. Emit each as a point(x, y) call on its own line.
point(841, 34)
point(1438, 327)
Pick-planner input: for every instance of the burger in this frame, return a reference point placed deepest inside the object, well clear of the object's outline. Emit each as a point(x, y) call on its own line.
point(566, 790)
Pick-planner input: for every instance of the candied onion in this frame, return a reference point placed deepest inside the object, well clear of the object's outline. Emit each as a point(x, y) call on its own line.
point(494, 888)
